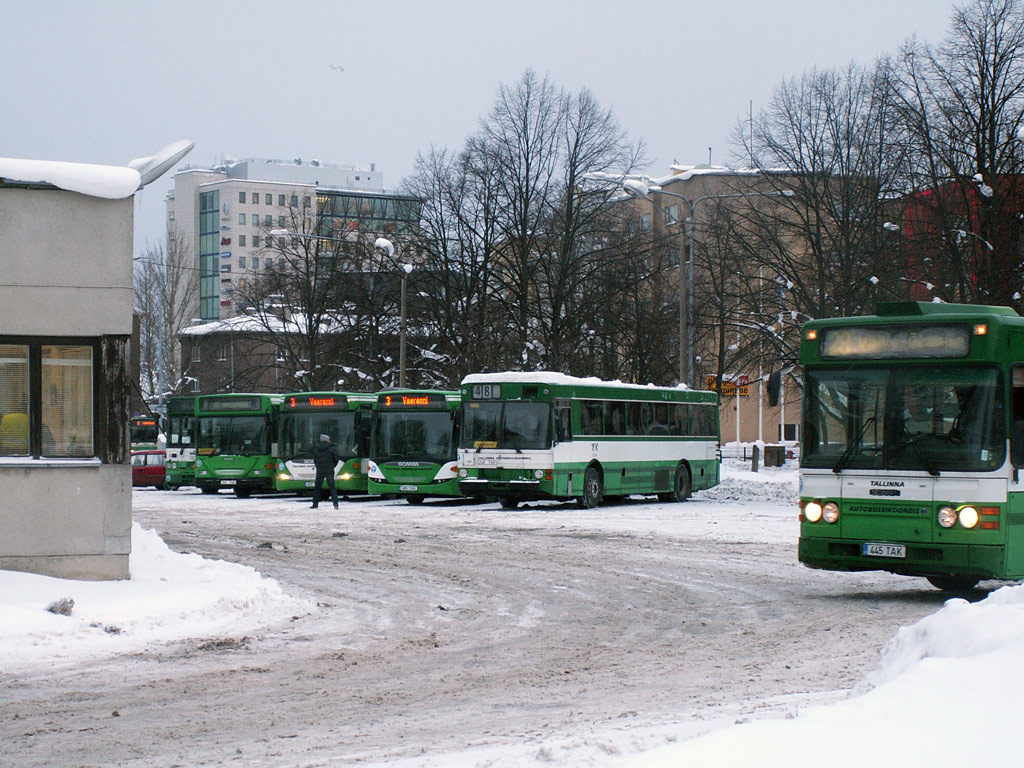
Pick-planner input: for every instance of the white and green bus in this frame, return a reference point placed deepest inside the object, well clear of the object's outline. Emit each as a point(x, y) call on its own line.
point(531, 436)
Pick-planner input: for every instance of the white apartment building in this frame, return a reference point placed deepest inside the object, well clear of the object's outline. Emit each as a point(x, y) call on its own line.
point(223, 213)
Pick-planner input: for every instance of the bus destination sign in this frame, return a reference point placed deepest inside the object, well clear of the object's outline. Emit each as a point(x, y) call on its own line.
point(315, 402)
point(399, 400)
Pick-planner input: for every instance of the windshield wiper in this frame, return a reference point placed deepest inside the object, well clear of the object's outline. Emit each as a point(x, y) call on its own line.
point(923, 456)
point(848, 453)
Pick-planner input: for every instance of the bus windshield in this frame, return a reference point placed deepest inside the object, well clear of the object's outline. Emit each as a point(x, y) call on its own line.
point(516, 425)
point(922, 418)
point(180, 429)
point(300, 432)
point(414, 436)
point(144, 431)
point(234, 435)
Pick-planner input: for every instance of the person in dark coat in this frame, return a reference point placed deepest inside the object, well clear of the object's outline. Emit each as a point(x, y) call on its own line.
point(325, 458)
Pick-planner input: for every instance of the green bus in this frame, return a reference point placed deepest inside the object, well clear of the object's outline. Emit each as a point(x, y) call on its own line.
point(145, 433)
point(414, 452)
point(343, 416)
point(181, 442)
point(912, 443)
point(529, 436)
point(237, 442)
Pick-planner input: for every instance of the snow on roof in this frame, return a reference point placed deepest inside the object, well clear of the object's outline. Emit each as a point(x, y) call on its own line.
point(108, 181)
point(551, 377)
point(236, 324)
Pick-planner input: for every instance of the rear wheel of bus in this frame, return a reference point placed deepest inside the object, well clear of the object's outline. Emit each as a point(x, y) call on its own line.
point(593, 488)
point(682, 486)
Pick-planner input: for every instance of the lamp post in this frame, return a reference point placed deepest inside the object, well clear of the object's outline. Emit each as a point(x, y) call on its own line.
point(640, 190)
point(388, 249)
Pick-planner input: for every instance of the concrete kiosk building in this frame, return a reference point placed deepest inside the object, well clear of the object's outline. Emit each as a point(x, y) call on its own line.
point(66, 235)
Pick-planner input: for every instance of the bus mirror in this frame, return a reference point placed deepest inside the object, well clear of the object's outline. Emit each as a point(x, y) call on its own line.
point(774, 388)
point(1017, 443)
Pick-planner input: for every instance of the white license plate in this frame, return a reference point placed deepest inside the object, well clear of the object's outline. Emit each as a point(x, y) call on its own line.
point(309, 484)
point(228, 482)
point(407, 488)
point(873, 549)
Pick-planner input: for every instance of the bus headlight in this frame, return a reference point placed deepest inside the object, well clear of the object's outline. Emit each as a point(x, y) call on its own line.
point(947, 517)
point(812, 511)
point(968, 517)
point(463, 472)
point(539, 474)
point(830, 512)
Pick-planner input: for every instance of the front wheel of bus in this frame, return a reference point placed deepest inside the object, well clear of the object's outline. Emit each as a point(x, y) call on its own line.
point(243, 493)
point(593, 488)
point(209, 490)
point(953, 583)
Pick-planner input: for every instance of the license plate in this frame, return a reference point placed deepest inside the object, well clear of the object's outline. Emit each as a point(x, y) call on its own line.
point(228, 482)
point(407, 488)
point(872, 549)
point(309, 484)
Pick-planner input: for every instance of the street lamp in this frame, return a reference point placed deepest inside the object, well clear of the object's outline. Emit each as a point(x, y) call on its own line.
point(640, 190)
point(388, 249)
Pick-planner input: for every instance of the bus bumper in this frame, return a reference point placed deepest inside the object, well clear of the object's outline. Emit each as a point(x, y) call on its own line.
point(922, 559)
point(519, 490)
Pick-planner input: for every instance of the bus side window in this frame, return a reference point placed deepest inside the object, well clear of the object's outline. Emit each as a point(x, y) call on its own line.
point(563, 424)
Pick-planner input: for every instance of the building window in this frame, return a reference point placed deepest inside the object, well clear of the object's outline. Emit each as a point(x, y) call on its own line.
point(255, 198)
point(672, 214)
point(279, 355)
point(268, 199)
point(280, 221)
point(280, 200)
point(195, 353)
point(241, 197)
point(241, 241)
point(268, 220)
point(241, 262)
point(222, 352)
point(255, 241)
point(170, 215)
point(295, 200)
point(60, 423)
point(306, 200)
point(241, 218)
point(195, 384)
point(645, 223)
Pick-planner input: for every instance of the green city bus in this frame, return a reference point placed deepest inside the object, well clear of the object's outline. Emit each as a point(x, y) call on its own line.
point(181, 442)
point(414, 452)
point(529, 436)
point(237, 442)
point(145, 433)
point(343, 416)
point(912, 443)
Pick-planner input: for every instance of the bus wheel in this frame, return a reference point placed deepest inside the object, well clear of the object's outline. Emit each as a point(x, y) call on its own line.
point(209, 490)
point(682, 485)
point(593, 489)
point(953, 583)
point(243, 493)
point(509, 503)
point(168, 486)
point(415, 498)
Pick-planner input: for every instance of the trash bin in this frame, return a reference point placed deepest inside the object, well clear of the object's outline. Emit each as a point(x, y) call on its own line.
point(774, 455)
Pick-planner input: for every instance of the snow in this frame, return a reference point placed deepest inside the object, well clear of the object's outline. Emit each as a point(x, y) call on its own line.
point(107, 181)
point(170, 596)
point(942, 694)
point(550, 377)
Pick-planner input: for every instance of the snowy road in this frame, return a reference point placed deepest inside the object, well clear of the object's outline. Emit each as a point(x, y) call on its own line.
point(445, 627)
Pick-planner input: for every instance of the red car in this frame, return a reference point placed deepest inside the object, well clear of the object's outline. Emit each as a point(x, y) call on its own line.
point(149, 468)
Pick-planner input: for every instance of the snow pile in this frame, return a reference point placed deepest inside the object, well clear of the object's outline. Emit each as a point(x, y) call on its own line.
point(944, 695)
point(770, 484)
point(169, 597)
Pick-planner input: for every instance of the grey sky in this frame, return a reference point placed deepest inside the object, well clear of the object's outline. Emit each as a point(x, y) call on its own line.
point(104, 82)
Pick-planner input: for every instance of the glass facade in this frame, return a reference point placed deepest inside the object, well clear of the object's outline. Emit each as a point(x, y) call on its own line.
point(346, 211)
point(209, 256)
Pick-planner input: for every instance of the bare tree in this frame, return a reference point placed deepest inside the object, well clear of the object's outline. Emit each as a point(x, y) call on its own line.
point(963, 106)
point(165, 295)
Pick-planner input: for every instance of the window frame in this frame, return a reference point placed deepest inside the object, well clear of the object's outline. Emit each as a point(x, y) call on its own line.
point(35, 346)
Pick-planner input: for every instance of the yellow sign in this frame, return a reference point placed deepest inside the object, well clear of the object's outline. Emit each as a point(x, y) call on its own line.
point(728, 387)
